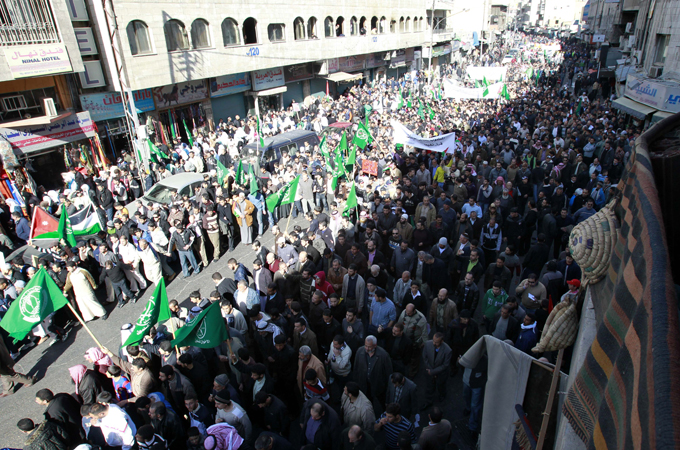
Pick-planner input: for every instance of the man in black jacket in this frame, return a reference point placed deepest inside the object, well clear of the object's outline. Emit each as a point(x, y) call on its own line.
point(105, 200)
point(46, 436)
point(63, 409)
point(504, 325)
point(275, 413)
point(403, 391)
point(117, 278)
point(400, 348)
point(168, 425)
point(536, 257)
point(184, 238)
point(327, 434)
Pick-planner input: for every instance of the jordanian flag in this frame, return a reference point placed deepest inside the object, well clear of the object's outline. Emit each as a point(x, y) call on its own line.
point(45, 231)
point(156, 310)
point(206, 330)
point(283, 196)
point(40, 298)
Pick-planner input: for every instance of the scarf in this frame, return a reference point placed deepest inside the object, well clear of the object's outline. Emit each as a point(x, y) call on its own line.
point(98, 357)
point(77, 373)
point(528, 327)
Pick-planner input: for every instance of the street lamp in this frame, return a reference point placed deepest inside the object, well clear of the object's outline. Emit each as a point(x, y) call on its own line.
point(432, 25)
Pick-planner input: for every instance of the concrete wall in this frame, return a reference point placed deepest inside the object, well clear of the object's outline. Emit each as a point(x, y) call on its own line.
point(163, 68)
point(665, 20)
point(68, 37)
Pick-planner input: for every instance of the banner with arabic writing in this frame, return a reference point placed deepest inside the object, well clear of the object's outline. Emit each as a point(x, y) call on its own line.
point(37, 60)
point(39, 137)
point(109, 105)
point(229, 84)
point(402, 135)
point(180, 93)
point(267, 79)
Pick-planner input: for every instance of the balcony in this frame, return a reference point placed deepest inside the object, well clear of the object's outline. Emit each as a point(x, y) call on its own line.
point(25, 22)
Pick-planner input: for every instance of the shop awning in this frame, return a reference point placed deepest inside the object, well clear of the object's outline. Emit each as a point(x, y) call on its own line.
point(660, 115)
point(42, 120)
point(632, 107)
point(272, 91)
point(340, 77)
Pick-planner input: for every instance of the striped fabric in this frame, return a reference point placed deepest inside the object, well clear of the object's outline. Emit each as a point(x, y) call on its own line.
point(627, 393)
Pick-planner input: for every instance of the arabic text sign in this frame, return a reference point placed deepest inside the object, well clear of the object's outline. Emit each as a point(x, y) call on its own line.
point(369, 167)
point(39, 137)
point(298, 72)
point(452, 90)
point(36, 60)
point(403, 135)
point(229, 84)
point(109, 105)
point(180, 93)
point(267, 79)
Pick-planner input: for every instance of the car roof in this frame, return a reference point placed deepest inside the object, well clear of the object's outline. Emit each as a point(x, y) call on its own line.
point(340, 125)
point(180, 180)
point(285, 138)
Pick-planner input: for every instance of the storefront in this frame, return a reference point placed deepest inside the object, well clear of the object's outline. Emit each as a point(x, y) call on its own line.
point(226, 95)
point(297, 81)
point(648, 100)
point(399, 62)
point(268, 87)
point(376, 65)
point(344, 72)
point(106, 110)
point(441, 55)
point(181, 107)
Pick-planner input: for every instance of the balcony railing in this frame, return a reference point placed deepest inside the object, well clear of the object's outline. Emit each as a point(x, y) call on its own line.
point(24, 22)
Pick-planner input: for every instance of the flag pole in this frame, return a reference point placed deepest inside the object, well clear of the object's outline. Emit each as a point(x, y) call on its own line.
point(290, 214)
point(75, 313)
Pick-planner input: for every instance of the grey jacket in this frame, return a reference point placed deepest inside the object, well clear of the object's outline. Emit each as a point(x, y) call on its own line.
point(443, 361)
point(408, 400)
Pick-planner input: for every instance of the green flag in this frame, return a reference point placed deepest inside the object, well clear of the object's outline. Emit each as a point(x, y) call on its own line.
point(259, 132)
point(351, 200)
point(191, 139)
point(154, 153)
point(400, 100)
point(486, 83)
point(240, 177)
point(505, 93)
point(323, 146)
point(579, 108)
point(206, 330)
point(362, 137)
point(283, 196)
point(409, 104)
point(477, 84)
point(339, 170)
point(156, 310)
point(40, 298)
point(368, 109)
point(420, 113)
point(172, 126)
point(341, 149)
point(65, 230)
point(222, 172)
point(429, 110)
point(486, 92)
point(253, 180)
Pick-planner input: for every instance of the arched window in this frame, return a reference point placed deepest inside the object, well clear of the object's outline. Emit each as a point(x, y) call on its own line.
point(340, 27)
point(138, 36)
point(311, 28)
point(328, 27)
point(393, 26)
point(250, 31)
point(407, 27)
point(416, 25)
point(401, 25)
point(276, 32)
point(383, 25)
point(230, 34)
point(374, 25)
point(362, 26)
point(298, 29)
point(353, 26)
point(200, 34)
point(175, 36)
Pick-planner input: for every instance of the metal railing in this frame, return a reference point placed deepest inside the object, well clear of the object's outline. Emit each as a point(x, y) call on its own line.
point(24, 22)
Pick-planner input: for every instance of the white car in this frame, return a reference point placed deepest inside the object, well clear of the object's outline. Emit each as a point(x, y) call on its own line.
point(508, 59)
point(163, 191)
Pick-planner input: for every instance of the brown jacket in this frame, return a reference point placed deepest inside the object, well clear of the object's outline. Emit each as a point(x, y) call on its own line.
point(315, 364)
point(142, 382)
point(450, 312)
point(250, 208)
point(308, 338)
point(336, 281)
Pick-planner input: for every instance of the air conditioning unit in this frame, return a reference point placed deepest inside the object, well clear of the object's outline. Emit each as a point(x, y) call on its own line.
point(49, 108)
point(629, 26)
point(655, 71)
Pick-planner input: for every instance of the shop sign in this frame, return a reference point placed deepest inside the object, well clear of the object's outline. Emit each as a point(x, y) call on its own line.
point(455, 46)
point(598, 38)
point(333, 65)
point(39, 137)
point(375, 60)
point(398, 58)
point(180, 93)
point(109, 105)
point(93, 75)
point(229, 84)
point(267, 79)
point(441, 50)
point(662, 96)
point(77, 10)
point(86, 42)
point(351, 63)
point(298, 72)
point(37, 60)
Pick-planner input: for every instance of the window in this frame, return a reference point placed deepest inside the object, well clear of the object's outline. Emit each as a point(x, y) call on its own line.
point(230, 34)
point(383, 25)
point(661, 48)
point(401, 25)
point(328, 27)
point(340, 27)
point(276, 32)
point(250, 31)
point(374, 25)
point(298, 29)
point(200, 34)
point(311, 28)
point(27, 22)
point(415, 24)
point(138, 36)
point(353, 26)
point(407, 27)
point(176, 36)
point(393, 26)
point(14, 103)
point(362, 26)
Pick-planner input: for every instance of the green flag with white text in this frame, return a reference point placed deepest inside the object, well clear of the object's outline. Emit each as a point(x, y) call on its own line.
point(154, 153)
point(284, 196)
point(191, 139)
point(351, 200)
point(40, 298)
point(253, 180)
point(259, 132)
point(420, 112)
point(504, 92)
point(206, 330)
point(65, 229)
point(362, 137)
point(156, 310)
point(240, 177)
point(222, 172)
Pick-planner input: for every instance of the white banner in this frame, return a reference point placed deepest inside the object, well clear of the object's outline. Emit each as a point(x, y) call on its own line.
point(403, 135)
point(491, 73)
point(452, 90)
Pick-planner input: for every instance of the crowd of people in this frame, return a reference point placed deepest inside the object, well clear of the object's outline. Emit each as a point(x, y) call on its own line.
point(347, 333)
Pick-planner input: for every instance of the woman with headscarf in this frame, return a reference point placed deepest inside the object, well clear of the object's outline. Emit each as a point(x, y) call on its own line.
point(222, 436)
point(87, 383)
point(323, 285)
point(100, 365)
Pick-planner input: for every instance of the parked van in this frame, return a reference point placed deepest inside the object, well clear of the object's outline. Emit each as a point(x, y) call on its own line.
point(273, 147)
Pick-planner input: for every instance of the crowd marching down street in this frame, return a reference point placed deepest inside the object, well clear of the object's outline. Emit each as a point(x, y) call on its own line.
point(438, 214)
